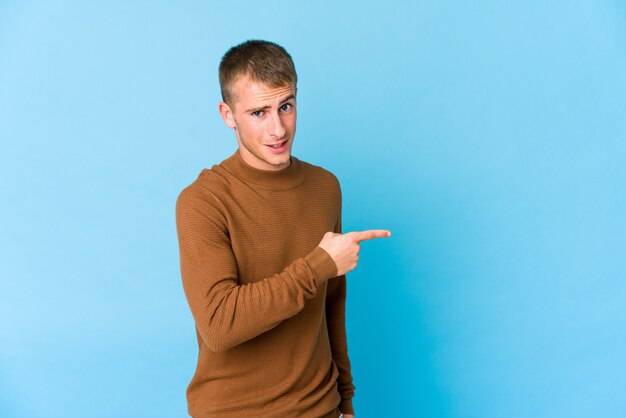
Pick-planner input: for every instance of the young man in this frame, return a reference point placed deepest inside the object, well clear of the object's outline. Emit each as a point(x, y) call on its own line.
point(263, 260)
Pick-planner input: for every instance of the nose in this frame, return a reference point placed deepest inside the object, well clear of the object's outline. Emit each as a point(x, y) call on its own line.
point(276, 128)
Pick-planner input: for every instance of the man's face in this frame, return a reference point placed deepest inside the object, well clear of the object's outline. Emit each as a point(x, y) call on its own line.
point(262, 118)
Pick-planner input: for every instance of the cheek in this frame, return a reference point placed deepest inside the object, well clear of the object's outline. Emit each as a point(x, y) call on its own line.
point(290, 121)
point(250, 131)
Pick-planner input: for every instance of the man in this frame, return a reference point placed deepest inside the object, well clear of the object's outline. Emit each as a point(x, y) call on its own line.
point(263, 260)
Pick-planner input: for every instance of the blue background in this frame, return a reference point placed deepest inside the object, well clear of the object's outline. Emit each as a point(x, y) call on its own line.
point(488, 136)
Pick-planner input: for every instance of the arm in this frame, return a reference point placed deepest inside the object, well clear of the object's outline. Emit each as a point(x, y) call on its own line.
point(335, 317)
point(226, 313)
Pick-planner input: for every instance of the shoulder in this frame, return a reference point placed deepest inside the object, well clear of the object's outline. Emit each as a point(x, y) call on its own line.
point(324, 185)
point(209, 182)
point(319, 174)
point(201, 196)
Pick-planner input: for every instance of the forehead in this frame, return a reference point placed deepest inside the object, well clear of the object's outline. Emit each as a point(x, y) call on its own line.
point(251, 92)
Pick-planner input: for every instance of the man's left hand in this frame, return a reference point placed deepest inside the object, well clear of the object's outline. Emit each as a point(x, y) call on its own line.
point(347, 416)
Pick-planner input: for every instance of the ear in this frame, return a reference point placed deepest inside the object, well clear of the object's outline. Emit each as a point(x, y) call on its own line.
point(227, 114)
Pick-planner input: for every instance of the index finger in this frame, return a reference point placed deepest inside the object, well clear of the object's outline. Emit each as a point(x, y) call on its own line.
point(369, 234)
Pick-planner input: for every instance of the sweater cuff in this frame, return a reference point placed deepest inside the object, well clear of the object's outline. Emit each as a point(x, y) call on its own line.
point(345, 406)
point(322, 265)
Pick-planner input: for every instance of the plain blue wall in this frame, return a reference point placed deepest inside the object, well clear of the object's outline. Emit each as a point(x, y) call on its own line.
point(489, 137)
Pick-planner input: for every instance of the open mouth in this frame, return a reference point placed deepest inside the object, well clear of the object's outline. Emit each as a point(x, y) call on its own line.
point(278, 147)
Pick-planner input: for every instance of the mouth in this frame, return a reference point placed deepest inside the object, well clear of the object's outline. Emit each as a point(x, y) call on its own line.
point(279, 147)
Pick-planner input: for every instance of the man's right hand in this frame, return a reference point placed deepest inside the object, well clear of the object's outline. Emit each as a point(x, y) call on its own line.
point(344, 248)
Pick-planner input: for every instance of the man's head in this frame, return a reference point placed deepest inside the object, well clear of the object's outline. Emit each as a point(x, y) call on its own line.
point(258, 82)
point(262, 61)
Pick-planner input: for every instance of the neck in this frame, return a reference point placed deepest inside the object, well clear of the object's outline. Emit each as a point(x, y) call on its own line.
point(282, 179)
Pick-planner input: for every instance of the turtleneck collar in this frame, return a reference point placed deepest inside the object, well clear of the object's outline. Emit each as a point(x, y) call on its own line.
point(272, 180)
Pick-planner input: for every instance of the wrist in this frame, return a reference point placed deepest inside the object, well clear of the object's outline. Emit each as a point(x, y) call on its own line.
point(322, 264)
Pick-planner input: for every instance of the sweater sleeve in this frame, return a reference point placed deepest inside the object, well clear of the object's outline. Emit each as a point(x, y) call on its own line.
point(335, 317)
point(227, 313)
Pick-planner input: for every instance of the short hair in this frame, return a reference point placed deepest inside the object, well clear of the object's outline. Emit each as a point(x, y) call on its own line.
point(262, 61)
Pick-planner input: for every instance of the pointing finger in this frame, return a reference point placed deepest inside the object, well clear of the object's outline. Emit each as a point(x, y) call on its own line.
point(359, 236)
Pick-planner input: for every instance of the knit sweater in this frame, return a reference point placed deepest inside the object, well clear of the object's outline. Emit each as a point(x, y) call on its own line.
point(268, 308)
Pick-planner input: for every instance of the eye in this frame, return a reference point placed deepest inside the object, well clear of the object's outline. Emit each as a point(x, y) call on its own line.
point(286, 107)
point(257, 113)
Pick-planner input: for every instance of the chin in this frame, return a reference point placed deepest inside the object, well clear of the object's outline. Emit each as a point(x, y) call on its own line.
point(284, 159)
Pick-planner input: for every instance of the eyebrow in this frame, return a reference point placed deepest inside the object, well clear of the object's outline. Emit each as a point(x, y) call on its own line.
point(286, 99)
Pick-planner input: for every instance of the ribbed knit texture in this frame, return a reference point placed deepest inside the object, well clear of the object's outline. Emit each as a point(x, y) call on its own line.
point(269, 311)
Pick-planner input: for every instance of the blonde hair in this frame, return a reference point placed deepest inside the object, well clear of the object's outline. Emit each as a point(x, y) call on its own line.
point(262, 61)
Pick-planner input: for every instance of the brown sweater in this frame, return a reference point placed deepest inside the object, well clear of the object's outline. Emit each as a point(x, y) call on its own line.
point(269, 311)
